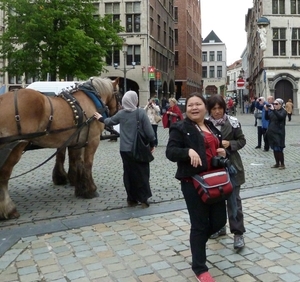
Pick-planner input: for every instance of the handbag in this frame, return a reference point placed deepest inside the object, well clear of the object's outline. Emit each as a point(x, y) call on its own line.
point(258, 115)
point(213, 186)
point(140, 147)
point(157, 118)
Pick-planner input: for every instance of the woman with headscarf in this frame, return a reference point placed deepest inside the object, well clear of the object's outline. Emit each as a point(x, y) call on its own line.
point(136, 174)
point(276, 115)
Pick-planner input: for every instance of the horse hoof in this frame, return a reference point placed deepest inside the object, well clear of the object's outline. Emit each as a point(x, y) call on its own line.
point(60, 180)
point(12, 215)
point(89, 195)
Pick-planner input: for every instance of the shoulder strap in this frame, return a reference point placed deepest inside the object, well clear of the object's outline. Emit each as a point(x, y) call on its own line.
point(137, 118)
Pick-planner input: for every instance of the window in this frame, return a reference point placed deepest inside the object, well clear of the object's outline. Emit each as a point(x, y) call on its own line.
point(279, 42)
point(295, 41)
point(204, 72)
point(204, 56)
point(211, 56)
point(176, 58)
point(176, 14)
point(211, 71)
point(295, 7)
point(113, 58)
point(133, 17)
point(113, 9)
point(133, 54)
point(219, 56)
point(176, 36)
point(158, 27)
point(278, 6)
point(219, 71)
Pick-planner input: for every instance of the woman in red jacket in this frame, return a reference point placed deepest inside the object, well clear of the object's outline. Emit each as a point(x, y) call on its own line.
point(173, 114)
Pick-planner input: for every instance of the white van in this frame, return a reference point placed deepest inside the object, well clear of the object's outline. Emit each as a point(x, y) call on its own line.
point(51, 88)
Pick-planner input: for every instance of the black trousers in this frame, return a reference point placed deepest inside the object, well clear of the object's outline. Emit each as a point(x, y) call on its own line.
point(205, 220)
point(266, 141)
point(259, 135)
point(154, 126)
point(136, 179)
point(236, 225)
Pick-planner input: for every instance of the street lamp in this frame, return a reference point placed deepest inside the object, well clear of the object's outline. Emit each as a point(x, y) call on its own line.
point(125, 70)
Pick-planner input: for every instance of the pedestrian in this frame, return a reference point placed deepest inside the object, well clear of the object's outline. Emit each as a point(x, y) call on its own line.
point(135, 174)
point(152, 110)
point(276, 115)
point(230, 106)
point(265, 123)
point(164, 105)
point(173, 114)
point(258, 114)
point(233, 140)
point(192, 144)
point(289, 106)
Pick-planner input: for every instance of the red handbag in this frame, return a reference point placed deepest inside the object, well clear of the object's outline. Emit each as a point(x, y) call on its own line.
point(213, 186)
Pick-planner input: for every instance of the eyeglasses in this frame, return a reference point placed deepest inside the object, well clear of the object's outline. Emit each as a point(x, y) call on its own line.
point(276, 104)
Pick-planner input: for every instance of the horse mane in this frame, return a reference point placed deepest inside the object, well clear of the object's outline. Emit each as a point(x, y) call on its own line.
point(102, 85)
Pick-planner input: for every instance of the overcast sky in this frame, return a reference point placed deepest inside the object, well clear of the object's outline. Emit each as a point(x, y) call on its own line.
point(227, 19)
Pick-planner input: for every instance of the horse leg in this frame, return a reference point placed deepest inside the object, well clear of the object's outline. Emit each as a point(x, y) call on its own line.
point(8, 209)
point(74, 158)
point(85, 186)
point(59, 175)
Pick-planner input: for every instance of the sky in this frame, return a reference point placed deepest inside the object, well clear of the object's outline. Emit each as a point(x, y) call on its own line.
point(227, 19)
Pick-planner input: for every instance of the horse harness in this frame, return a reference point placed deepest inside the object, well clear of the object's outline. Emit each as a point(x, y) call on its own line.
point(78, 114)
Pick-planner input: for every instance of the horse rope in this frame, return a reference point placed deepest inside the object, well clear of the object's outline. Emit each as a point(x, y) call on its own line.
point(64, 145)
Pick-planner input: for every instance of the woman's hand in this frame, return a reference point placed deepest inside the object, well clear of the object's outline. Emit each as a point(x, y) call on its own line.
point(225, 143)
point(221, 152)
point(195, 158)
point(97, 115)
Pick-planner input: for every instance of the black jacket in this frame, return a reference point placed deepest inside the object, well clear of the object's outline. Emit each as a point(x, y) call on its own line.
point(276, 128)
point(184, 135)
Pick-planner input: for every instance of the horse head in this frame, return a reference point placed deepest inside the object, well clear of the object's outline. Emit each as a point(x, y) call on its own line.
point(108, 90)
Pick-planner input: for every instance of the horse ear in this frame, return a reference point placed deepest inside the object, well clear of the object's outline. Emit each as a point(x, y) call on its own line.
point(116, 81)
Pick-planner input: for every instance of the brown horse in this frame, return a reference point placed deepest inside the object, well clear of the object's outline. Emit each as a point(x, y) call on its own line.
point(29, 117)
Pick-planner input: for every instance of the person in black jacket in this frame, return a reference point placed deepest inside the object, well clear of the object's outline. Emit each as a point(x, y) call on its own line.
point(192, 144)
point(276, 115)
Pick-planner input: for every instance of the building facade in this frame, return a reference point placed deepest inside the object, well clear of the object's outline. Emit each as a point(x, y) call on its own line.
point(148, 63)
point(273, 47)
point(187, 16)
point(214, 69)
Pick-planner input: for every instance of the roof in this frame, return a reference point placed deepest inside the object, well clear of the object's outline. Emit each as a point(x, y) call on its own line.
point(212, 38)
point(51, 87)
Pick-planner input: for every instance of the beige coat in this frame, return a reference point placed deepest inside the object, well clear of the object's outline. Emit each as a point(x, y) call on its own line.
point(289, 107)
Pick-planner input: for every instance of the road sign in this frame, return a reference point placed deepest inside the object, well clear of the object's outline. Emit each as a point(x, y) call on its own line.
point(240, 83)
point(151, 72)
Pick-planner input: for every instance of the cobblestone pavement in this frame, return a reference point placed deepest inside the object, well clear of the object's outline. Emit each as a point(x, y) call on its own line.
point(68, 239)
point(155, 247)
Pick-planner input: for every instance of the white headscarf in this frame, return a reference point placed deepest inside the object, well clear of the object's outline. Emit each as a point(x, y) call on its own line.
point(130, 101)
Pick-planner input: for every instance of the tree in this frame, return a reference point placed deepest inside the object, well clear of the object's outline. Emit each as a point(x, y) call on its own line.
point(57, 37)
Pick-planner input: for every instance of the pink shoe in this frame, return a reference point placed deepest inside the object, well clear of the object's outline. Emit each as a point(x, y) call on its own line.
point(205, 277)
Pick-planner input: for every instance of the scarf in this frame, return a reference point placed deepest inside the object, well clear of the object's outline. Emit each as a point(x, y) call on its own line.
point(130, 101)
point(217, 122)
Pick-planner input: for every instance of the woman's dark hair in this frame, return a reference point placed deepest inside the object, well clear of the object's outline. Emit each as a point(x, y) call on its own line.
point(195, 94)
point(216, 100)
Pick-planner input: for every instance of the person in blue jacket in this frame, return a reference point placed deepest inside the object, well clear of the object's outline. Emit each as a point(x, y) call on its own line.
point(259, 104)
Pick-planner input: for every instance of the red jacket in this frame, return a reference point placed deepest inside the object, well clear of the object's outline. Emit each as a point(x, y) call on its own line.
point(175, 116)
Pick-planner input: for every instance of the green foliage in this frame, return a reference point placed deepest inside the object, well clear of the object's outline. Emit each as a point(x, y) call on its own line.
point(56, 37)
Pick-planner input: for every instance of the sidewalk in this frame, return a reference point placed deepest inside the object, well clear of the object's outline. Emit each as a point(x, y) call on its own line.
point(155, 247)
